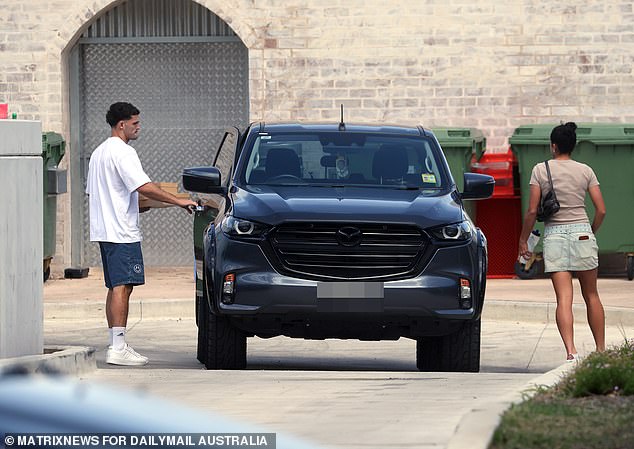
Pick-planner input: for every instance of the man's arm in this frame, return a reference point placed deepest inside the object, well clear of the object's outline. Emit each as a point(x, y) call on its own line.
point(154, 192)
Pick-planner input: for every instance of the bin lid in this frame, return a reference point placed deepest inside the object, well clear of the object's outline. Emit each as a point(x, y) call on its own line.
point(53, 145)
point(458, 137)
point(597, 133)
point(495, 162)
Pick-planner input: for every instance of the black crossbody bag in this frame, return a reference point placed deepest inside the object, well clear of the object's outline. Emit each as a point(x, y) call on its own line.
point(548, 204)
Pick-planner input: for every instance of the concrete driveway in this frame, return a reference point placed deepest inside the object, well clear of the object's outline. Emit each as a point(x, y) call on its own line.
point(340, 394)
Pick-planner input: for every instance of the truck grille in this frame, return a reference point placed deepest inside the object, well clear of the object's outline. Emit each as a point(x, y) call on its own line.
point(348, 251)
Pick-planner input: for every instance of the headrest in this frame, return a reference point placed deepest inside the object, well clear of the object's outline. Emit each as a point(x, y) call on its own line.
point(390, 162)
point(282, 161)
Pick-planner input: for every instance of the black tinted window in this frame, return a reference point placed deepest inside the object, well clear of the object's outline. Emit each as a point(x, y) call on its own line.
point(344, 158)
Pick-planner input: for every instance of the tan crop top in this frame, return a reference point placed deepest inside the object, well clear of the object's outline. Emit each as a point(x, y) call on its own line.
point(571, 180)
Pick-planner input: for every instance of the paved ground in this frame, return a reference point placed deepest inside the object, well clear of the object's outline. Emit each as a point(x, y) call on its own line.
point(338, 394)
point(343, 394)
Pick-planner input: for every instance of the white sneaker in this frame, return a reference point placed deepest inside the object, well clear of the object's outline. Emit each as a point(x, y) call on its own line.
point(127, 356)
point(573, 358)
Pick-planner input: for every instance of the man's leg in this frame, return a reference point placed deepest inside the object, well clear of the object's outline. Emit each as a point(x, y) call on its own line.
point(124, 266)
point(117, 305)
point(108, 313)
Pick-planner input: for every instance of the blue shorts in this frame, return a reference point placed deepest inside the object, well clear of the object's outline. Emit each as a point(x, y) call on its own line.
point(571, 247)
point(122, 263)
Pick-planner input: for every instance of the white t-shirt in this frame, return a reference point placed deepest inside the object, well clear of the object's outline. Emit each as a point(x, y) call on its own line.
point(114, 174)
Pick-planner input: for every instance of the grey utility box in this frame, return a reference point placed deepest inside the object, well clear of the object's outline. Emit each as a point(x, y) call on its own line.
point(21, 202)
point(56, 181)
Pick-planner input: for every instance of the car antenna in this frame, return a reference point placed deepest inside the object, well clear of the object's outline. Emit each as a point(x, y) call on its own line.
point(342, 125)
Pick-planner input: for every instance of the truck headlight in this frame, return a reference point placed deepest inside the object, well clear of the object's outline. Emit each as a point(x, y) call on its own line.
point(237, 227)
point(456, 231)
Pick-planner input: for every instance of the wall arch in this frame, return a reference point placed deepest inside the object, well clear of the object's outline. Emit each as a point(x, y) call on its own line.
point(186, 70)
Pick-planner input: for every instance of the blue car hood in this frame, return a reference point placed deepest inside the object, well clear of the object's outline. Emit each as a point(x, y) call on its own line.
point(275, 204)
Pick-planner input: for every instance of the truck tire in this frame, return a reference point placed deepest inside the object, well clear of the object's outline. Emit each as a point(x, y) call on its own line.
point(201, 321)
point(226, 345)
point(457, 352)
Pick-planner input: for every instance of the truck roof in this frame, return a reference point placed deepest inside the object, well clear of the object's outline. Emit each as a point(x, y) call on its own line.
point(348, 127)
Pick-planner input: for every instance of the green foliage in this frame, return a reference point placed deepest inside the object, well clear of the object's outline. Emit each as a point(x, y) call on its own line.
point(551, 422)
point(609, 372)
point(591, 408)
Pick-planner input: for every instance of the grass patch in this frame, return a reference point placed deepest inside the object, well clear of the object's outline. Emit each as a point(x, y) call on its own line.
point(591, 408)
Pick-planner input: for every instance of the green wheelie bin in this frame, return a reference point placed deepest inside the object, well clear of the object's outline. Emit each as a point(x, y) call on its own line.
point(609, 149)
point(53, 148)
point(460, 145)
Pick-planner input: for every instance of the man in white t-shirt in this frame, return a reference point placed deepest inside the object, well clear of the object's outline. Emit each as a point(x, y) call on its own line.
point(115, 179)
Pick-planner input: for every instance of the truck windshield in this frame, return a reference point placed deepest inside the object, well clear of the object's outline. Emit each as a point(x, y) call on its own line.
point(346, 159)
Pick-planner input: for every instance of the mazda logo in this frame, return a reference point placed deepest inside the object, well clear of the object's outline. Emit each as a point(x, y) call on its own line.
point(349, 236)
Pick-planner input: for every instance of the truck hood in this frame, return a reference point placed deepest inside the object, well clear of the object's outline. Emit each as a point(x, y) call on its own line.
point(276, 204)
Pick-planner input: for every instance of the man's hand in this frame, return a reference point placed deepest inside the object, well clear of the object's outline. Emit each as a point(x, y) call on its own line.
point(154, 192)
point(188, 205)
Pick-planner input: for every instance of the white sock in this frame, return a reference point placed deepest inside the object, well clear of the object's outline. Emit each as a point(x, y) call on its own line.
point(118, 338)
point(109, 336)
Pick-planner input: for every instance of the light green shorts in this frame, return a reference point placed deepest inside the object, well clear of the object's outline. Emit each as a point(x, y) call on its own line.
point(571, 247)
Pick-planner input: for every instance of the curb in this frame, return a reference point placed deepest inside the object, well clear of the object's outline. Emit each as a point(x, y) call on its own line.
point(476, 427)
point(545, 312)
point(185, 308)
point(147, 308)
point(68, 360)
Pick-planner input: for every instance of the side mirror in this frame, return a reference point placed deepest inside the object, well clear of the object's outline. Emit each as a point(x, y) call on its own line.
point(203, 180)
point(477, 186)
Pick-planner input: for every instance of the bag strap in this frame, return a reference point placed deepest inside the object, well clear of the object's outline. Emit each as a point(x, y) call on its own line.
point(550, 180)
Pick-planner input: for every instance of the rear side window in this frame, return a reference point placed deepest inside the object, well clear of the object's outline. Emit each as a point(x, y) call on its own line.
point(381, 160)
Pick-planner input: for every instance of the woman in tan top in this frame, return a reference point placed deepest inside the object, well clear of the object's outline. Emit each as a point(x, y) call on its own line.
point(569, 241)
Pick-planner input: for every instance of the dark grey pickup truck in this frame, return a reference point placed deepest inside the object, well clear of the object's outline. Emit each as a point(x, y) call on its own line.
point(337, 231)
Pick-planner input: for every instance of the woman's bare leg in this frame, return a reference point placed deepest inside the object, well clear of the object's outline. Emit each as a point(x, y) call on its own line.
point(562, 282)
point(596, 315)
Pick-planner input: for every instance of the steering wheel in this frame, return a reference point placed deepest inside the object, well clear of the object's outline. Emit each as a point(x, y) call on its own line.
point(285, 177)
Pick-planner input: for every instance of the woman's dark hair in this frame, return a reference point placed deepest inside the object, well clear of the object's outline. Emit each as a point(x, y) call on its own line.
point(120, 111)
point(565, 137)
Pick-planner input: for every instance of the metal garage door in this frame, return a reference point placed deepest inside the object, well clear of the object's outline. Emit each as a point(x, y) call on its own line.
point(187, 92)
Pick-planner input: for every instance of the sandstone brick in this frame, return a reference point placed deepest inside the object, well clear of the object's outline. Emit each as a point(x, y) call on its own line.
point(348, 103)
point(405, 103)
point(489, 64)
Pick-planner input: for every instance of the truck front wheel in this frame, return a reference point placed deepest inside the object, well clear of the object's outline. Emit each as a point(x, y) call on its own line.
point(226, 344)
point(457, 352)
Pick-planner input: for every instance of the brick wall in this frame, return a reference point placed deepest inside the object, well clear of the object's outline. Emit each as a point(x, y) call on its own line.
point(486, 64)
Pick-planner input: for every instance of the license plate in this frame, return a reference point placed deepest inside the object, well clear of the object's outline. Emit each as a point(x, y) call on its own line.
point(349, 290)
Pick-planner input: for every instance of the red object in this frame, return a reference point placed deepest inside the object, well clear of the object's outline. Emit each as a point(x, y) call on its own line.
point(500, 217)
point(503, 167)
point(4, 110)
point(501, 221)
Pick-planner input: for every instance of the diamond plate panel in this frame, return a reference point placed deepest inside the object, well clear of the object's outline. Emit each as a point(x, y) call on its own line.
point(188, 93)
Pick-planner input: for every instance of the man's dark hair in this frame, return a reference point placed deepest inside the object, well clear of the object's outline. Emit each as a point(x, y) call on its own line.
point(565, 137)
point(120, 111)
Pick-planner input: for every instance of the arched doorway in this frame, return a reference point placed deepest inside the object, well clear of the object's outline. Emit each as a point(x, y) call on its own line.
point(187, 72)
